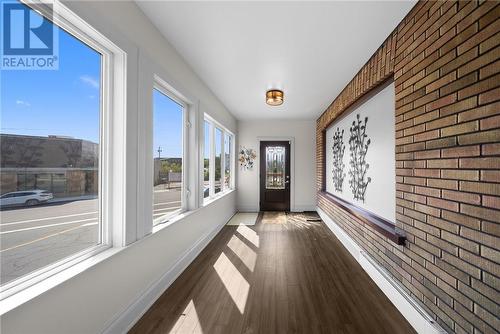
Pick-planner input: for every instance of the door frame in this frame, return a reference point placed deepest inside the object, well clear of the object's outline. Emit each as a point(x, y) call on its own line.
point(292, 163)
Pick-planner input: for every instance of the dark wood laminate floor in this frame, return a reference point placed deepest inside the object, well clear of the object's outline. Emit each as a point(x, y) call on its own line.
point(284, 275)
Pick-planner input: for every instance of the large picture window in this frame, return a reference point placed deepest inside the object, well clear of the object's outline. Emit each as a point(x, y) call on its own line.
point(168, 124)
point(218, 159)
point(53, 135)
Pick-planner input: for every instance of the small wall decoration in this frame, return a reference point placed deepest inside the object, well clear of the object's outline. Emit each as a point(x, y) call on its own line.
point(247, 157)
point(338, 156)
point(358, 144)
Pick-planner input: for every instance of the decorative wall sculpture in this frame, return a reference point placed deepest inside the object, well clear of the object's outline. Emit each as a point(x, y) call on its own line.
point(376, 194)
point(358, 144)
point(247, 157)
point(338, 156)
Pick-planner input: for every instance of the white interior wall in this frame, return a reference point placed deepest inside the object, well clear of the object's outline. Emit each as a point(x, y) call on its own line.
point(304, 134)
point(90, 301)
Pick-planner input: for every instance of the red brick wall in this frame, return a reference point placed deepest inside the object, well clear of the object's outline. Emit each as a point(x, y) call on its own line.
point(444, 58)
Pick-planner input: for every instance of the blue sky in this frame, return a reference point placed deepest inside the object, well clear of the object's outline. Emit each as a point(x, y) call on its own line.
point(66, 101)
point(167, 126)
point(55, 102)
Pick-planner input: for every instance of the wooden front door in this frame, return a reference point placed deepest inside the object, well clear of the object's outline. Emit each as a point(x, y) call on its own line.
point(275, 176)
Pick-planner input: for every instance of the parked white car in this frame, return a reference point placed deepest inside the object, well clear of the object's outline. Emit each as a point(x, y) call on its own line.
point(27, 197)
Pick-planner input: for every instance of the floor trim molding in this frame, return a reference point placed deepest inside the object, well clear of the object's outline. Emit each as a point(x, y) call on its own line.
point(127, 319)
point(421, 321)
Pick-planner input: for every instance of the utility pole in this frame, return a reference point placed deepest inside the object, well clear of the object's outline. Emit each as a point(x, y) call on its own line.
point(159, 150)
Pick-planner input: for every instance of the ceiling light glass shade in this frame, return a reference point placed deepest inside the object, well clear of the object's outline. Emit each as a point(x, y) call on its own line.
point(274, 97)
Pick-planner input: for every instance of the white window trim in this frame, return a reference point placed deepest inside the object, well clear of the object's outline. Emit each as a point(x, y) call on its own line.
point(231, 160)
point(224, 190)
point(211, 164)
point(112, 130)
point(166, 89)
point(221, 180)
point(210, 161)
point(151, 75)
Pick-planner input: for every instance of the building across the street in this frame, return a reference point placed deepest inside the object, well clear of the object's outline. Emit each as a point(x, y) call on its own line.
point(167, 171)
point(65, 166)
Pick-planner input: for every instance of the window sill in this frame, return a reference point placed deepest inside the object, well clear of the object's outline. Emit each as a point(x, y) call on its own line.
point(171, 221)
point(218, 196)
point(35, 290)
point(185, 214)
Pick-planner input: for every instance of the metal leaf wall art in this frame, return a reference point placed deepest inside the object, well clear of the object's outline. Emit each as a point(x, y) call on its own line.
point(247, 157)
point(338, 157)
point(358, 144)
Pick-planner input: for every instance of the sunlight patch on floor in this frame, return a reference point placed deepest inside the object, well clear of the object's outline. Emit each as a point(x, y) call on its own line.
point(244, 218)
point(236, 285)
point(188, 322)
point(245, 253)
point(271, 217)
point(249, 234)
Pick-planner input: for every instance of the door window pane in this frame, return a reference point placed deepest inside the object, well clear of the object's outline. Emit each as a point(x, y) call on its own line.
point(218, 160)
point(50, 136)
point(167, 156)
point(206, 161)
point(227, 161)
point(275, 167)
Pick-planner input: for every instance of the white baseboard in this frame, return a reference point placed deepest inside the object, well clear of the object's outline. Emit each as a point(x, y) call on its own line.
point(421, 321)
point(127, 319)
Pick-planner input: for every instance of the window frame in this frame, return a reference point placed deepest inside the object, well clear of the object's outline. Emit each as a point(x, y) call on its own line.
point(163, 87)
point(210, 160)
point(221, 180)
point(231, 160)
point(111, 126)
point(224, 190)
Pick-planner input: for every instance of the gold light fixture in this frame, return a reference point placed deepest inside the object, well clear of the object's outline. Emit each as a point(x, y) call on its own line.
point(274, 97)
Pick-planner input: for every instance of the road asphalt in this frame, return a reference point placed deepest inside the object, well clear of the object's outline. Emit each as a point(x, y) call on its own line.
point(34, 237)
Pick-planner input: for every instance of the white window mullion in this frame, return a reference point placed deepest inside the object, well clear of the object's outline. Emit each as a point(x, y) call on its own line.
point(223, 162)
point(212, 160)
point(186, 128)
point(232, 162)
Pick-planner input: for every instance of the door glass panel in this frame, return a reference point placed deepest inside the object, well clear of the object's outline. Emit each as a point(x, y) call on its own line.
point(275, 167)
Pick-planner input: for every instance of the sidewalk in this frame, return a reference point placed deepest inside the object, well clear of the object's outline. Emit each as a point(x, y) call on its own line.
point(70, 199)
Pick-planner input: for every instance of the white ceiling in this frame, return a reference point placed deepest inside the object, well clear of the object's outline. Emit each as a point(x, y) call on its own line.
point(311, 50)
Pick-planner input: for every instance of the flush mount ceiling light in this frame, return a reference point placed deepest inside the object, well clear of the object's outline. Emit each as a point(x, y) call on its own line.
point(274, 97)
